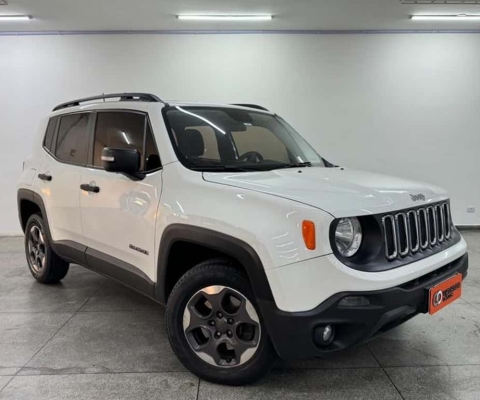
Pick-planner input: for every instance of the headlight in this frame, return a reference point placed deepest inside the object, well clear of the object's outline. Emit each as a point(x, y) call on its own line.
point(348, 236)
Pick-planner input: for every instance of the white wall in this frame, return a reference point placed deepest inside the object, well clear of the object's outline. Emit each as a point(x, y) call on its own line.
point(405, 105)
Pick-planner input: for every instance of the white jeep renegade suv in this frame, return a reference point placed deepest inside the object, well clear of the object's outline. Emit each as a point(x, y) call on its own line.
point(258, 246)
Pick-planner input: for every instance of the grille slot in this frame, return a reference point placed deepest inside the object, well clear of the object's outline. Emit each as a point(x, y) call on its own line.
point(402, 234)
point(440, 222)
point(423, 225)
point(416, 230)
point(390, 234)
point(446, 217)
point(432, 226)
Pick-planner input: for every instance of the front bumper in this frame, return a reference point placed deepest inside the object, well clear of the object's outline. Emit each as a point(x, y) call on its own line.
point(292, 332)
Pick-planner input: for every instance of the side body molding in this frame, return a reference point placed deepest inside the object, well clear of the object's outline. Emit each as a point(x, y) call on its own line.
point(229, 245)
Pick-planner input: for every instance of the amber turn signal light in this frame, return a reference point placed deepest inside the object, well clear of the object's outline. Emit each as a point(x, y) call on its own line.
point(308, 231)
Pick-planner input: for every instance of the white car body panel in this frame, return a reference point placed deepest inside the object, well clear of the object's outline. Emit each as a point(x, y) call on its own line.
point(270, 225)
point(123, 213)
point(340, 192)
point(294, 292)
point(61, 197)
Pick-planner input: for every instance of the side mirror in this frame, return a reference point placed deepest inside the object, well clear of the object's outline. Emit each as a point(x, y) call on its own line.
point(124, 161)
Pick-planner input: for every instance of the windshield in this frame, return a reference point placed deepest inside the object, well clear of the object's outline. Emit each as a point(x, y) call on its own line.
point(220, 139)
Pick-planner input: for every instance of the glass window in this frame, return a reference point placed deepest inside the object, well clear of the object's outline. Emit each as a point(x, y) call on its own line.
point(208, 149)
point(49, 133)
point(72, 140)
point(217, 138)
point(261, 140)
point(125, 130)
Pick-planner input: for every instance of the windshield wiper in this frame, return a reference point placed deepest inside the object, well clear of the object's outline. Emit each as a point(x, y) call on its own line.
point(296, 165)
point(224, 168)
point(247, 168)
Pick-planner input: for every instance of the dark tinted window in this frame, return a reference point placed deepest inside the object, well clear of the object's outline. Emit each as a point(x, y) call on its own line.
point(125, 130)
point(49, 133)
point(72, 139)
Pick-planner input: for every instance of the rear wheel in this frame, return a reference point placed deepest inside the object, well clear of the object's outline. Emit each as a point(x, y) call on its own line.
point(215, 328)
point(44, 264)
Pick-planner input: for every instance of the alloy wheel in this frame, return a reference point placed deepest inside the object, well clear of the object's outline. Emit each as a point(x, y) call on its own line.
point(36, 249)
point(221, 326)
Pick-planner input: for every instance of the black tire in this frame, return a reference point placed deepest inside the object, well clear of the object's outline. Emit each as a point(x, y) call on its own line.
point(216, 272)
point(53, 269)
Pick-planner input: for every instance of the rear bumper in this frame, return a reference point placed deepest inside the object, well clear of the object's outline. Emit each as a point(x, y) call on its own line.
point(292, 332)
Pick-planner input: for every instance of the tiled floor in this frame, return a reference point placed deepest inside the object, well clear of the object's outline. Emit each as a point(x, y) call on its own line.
point(90, 338)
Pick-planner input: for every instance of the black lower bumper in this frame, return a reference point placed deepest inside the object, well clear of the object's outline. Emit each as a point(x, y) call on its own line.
point(292, 333)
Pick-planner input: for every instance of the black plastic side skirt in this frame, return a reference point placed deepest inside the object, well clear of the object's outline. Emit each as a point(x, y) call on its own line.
point(120, 271)
point(70, 251)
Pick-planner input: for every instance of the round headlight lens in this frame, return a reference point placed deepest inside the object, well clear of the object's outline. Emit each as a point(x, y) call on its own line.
point(348, 236)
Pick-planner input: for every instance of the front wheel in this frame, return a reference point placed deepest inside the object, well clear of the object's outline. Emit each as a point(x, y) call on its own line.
point(215, 328)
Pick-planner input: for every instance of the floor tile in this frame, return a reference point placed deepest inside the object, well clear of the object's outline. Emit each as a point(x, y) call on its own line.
point(447, 338)
point(116, 297)
point(19, 292)
point(134, 341)
point(4, 381)
point(11, 244)
point(9, 370)
point(471, 290)
point(437, 383)
point(358, 357)
point(165, 386)
point(22, 335)
point(12, 265)
point(340, 384)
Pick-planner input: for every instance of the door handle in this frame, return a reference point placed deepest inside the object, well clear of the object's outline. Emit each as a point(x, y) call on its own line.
point(45, 177)
point(89, 188)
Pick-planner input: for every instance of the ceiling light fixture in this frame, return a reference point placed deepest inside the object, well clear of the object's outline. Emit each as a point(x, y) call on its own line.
point(225, 17)
point(15, 17)
point(442, 2)
point(459, 17)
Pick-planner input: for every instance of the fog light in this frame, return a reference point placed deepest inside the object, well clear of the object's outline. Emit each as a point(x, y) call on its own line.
point(354, 301)
point(324, 335)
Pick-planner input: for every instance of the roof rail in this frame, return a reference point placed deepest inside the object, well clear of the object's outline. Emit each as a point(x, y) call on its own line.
point(257, 107)
point(123, 97)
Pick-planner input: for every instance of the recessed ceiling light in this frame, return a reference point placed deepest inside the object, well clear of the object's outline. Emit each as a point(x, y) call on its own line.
point(15, 17)
point(459, 17)
point(225, 17)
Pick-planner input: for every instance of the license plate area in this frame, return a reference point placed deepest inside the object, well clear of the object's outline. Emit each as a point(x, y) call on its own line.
point(444, 293)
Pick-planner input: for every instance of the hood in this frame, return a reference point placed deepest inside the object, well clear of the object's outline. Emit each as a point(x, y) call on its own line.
point(339, 191)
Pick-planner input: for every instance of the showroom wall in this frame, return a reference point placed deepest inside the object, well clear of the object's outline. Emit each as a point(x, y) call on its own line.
point(404, 104)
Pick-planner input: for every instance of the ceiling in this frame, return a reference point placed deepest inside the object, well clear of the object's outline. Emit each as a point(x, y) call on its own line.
point(87, 15)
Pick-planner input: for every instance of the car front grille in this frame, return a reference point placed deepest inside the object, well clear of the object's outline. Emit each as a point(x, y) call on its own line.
point(416, 230)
